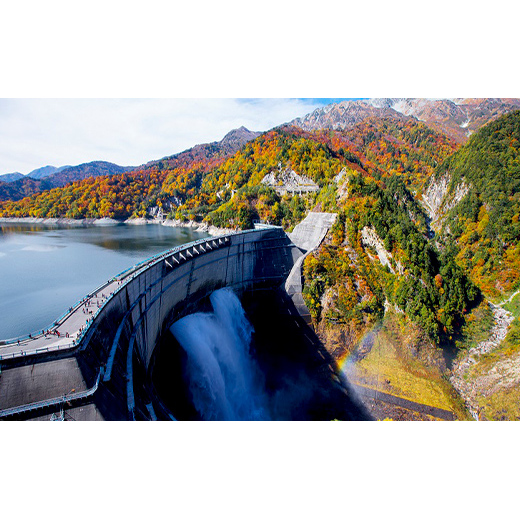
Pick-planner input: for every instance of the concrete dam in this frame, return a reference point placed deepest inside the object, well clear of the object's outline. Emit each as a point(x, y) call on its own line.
point(106, 368)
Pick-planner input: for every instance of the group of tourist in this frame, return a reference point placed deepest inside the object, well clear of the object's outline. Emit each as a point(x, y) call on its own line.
point(85, 303)
point(55, 332)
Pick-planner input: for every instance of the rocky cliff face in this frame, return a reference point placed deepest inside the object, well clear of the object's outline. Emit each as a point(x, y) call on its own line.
point(288, 181)
point(370, 238)
point(437, 200)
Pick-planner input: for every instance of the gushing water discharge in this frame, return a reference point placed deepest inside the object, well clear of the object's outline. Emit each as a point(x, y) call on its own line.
point(223, 379)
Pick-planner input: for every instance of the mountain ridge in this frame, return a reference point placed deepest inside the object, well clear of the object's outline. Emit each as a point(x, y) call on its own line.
point(9, 178)
point(456, 117)
point(27, 185)
point(48, 177)
point(45, 171)
point(229, 144)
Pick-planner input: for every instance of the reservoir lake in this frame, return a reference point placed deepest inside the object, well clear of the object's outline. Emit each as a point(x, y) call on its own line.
point(45, 269)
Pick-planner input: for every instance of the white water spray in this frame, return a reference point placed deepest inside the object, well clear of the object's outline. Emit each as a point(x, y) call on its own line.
point(223, 379)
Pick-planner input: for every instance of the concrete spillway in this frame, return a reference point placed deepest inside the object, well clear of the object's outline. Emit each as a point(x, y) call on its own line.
point(310, 232)
point(98, 371)
point(307, 235)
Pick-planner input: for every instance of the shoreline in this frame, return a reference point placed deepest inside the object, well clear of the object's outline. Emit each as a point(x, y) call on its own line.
point(105, 221)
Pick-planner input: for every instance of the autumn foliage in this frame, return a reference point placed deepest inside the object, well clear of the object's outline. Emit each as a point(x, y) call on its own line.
point(372, 176)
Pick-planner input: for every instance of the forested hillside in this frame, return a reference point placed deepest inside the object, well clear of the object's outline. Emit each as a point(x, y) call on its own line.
point(483, 227)
point(377, 221)
point(372, 175)
point(226, 190)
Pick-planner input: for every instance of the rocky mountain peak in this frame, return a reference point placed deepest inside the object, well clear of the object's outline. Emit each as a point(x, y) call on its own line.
point(344, 115)
point(456, 117)
point(237, 138)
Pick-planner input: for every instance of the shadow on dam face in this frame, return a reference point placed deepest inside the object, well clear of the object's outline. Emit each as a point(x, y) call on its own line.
point(296, 376)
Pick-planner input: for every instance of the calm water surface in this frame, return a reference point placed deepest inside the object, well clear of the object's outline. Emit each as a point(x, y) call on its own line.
point(46, 269)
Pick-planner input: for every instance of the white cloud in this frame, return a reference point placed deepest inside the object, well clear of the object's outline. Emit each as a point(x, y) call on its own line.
point(38, 132)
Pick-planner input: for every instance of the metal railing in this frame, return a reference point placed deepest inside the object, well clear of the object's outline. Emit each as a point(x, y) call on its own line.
point(52, 401)
point(39, 350)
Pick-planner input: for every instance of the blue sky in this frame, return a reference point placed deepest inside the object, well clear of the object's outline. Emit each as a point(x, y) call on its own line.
point(327, 101)
point(40, 132)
